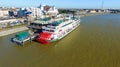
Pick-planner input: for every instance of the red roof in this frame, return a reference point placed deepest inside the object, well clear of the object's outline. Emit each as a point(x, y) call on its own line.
point(46, 8)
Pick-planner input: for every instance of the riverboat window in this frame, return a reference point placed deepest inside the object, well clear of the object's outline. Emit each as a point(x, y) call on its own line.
point(47, 30)
point(67, 16)
point(51, 30)
point(60, 30)
point(43, 29)
point(54, 27)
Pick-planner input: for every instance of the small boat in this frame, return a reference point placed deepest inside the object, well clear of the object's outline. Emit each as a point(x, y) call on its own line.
point(21, 38)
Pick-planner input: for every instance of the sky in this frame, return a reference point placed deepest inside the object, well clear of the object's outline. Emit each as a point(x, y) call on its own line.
point(63, 3)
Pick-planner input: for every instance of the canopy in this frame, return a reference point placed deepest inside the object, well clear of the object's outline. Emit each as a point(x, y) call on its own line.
point(45, 19)
point(56, 23)
point(22, 35)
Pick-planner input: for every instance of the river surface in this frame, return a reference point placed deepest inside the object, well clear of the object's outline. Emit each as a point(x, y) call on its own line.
point(95, 43)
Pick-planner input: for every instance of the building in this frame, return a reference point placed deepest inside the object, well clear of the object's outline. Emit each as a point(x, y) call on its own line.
point(12, 12)
point(81, 12)
point(50, 10)
point(22, 12)
point(92, 11)
point(35, 12)
point(39, 12)
point(3, 13)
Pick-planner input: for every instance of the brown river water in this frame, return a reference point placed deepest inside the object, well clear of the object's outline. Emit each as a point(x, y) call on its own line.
point(95, 43)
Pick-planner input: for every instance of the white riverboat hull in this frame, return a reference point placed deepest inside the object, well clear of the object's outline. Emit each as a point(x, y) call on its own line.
point(64, 35)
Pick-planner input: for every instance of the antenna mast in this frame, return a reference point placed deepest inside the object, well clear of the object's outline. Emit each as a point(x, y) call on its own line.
point(102, 4)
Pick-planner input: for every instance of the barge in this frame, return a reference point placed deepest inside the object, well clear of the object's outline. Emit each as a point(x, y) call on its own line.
point(22, 37)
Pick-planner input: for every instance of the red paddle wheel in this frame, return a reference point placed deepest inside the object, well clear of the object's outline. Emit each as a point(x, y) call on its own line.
point(43, 37)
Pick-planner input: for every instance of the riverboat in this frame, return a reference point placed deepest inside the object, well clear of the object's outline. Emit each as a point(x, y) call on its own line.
point(57, 29)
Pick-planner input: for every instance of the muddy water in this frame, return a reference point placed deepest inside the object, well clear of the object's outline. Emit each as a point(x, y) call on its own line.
point(95, 43)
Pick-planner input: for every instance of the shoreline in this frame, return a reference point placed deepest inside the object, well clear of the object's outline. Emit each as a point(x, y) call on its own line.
point(90, 14)
point(13, 30)
point(9, 31)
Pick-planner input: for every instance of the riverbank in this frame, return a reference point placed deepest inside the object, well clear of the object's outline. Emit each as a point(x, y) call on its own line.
point(12, 30)
point(90, 14)
point(8, 31)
